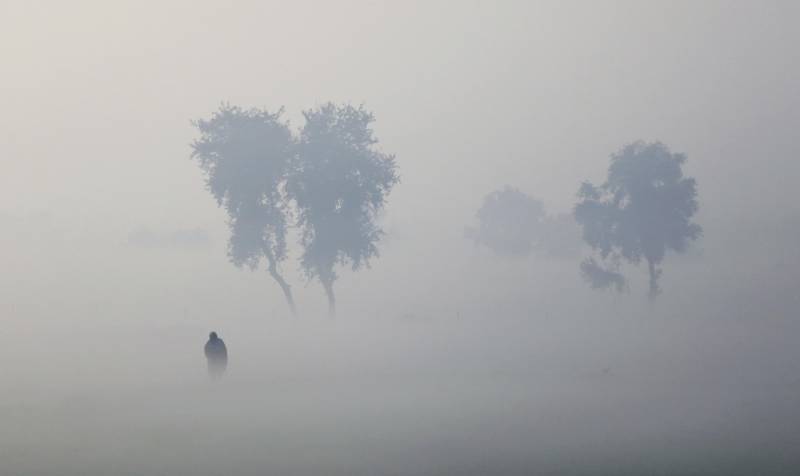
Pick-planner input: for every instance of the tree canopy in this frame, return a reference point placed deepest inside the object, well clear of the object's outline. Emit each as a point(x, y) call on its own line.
point(246, 155)
point(642, 210)
point(339, 182)
point(331, 178)
point(509, 222)
point(513, 224)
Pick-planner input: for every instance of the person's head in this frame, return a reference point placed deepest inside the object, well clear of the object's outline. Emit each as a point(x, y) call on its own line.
point(212, 336)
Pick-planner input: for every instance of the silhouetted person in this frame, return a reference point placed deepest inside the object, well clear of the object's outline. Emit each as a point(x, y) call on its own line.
point(217, 355)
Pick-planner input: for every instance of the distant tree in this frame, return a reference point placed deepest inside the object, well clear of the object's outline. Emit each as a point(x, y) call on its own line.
point(642, 210)
point(246, 155)
point(509, 222)
point(514, 224)
point(339, 182)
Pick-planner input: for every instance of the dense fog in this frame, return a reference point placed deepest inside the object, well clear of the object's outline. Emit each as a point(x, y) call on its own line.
point(452, 350)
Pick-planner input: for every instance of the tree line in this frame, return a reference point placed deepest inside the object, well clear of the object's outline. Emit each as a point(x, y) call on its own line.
point(330, 180)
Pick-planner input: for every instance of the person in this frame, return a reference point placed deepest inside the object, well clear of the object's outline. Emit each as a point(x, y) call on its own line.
point(217, 356)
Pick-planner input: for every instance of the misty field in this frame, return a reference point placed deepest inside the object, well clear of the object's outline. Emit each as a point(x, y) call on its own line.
point(408, 396)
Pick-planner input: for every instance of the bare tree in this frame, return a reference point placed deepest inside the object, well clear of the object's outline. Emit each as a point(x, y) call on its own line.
point(643, 209)
point(339, 182)
point(246, 155)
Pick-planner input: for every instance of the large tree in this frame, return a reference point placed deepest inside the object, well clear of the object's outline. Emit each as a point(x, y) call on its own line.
point(246, 155)
point(643, 209)
point(339, 182)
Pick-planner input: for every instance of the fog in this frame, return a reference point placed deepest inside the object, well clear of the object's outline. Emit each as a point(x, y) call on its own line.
point(443, 357)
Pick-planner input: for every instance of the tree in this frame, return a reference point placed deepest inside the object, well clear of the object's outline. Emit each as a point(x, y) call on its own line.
point(246, 155)
point(643, 210)
point(339, 182)
point(509, 222)
point(514, 224)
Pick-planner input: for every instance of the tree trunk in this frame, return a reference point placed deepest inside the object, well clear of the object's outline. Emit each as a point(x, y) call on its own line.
point(654, 274)
point(328, 285)
point(287, 290)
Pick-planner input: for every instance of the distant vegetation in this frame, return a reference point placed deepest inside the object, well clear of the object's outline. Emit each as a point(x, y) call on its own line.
point(642, 210)
point(513, 224)
point(329, 180)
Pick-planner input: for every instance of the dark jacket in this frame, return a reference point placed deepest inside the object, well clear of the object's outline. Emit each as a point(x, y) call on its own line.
point(216, 352)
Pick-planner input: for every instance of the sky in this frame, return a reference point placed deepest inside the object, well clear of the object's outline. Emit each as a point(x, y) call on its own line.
point(108, 235)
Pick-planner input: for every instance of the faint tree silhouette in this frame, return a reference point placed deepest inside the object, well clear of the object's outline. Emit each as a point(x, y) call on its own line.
point(246, 155)
point(509, 222)
point(339, 182)
point(642, 210)
point(514, 224)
